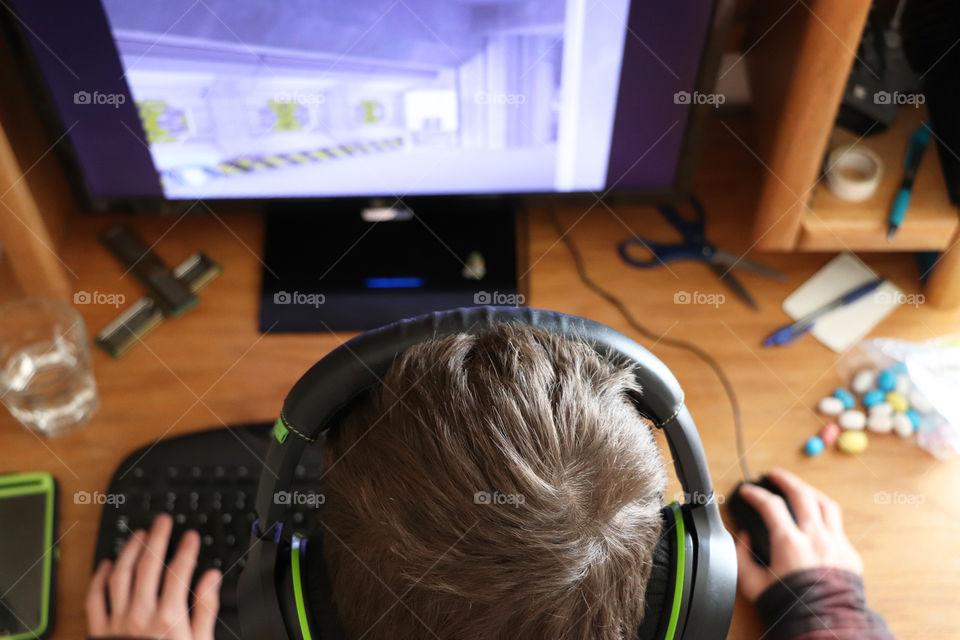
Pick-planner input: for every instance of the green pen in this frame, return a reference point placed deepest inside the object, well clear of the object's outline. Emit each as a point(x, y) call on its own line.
point(916, 145)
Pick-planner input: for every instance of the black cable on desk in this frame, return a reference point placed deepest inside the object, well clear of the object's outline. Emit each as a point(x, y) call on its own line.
point(673, 342)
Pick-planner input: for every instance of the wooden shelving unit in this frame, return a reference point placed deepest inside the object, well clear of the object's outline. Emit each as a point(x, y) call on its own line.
point(931, 222)
point(799, 57)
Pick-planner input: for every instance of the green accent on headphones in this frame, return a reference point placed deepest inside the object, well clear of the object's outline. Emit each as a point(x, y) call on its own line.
point(680, 571)
point(280, 431)
point(298, 586)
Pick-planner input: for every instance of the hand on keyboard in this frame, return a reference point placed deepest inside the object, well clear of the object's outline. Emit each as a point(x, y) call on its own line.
point(138, 607)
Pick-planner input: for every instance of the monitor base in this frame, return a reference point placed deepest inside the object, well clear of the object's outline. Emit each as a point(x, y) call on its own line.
point(326, 268)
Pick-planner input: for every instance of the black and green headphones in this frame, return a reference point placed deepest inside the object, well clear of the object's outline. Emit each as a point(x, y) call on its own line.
point(693, 582)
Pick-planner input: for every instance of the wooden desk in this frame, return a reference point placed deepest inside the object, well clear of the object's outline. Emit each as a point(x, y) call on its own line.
point(213, 367)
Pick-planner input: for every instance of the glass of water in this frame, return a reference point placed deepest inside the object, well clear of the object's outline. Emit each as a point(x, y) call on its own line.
point(46, 380)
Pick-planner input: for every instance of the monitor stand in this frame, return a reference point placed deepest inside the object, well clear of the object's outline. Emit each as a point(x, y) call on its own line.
point(350, 265)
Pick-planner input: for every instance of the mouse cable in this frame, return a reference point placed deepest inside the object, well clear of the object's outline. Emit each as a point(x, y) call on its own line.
point(619, 305)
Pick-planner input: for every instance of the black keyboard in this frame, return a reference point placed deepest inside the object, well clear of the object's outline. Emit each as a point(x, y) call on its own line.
point(208, 482)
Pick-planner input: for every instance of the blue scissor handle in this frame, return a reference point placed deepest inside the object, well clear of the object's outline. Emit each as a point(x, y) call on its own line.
point(693, 230)
point(660, 253)
point(693, 247)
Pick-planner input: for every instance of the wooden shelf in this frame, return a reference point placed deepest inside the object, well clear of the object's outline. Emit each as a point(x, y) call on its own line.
point(931, 221)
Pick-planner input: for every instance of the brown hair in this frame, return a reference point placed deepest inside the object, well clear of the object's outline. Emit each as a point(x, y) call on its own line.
point(495, 486)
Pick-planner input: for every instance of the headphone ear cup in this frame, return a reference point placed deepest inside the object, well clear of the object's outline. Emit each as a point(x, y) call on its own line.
point(658, 598)
point(320, 592)
point(294, 590)
point(285, 594)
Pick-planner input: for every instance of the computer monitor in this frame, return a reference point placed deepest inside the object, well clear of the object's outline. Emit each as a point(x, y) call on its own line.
point(304, 107)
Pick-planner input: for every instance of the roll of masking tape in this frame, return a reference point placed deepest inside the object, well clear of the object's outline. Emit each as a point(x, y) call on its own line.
point(853, 173)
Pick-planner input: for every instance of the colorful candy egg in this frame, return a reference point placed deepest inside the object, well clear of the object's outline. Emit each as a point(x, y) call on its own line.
point(882, 408)
point(873, 397)
point(830, 406)
point(852, 419)
point(897, 401)
point(887, 381)
point(814, 446)
point(845, 397)
point(902, 425)
point(919, 402)
point(903, 385)
point(852, 441)
point(863, 381)
point(830, 433)
point(879, 423)
point(914, 418)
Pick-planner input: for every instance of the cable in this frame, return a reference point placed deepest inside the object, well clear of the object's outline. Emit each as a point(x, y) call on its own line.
point(618, 304)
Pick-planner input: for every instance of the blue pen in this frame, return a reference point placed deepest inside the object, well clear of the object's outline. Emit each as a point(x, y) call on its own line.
point(916, 145)
point(786, 335)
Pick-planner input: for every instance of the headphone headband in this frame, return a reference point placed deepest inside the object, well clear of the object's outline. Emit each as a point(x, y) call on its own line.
point(362, 362)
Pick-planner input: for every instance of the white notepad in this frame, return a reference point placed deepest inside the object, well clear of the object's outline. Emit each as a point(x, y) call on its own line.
point(841, 329)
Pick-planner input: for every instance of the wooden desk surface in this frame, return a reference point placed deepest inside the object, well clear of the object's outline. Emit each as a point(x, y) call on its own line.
point(213, 367)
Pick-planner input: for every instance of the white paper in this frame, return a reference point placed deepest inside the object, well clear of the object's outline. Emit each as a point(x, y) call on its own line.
point(842, 328)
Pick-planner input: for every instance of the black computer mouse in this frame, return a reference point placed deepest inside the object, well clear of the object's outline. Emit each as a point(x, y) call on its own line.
point(747, 518)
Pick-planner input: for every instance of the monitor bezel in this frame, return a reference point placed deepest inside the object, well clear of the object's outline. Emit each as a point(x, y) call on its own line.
point(681, 189)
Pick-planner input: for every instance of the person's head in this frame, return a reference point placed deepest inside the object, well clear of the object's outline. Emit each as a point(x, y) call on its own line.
point(498, 485)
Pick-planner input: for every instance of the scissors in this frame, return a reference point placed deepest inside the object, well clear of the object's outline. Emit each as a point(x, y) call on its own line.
point(695, 246)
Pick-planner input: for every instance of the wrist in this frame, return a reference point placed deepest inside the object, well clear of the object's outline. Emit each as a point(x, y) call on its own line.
point(829, 600)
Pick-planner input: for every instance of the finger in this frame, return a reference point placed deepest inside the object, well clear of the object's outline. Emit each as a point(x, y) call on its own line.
point(206, 602)
point(743, 544)
point(96, 603)
point(749, 571)
point(803, 498)
point(772, 509)
point(122, 574)
point(831, 512)
point(176, 583)
point(150, 567)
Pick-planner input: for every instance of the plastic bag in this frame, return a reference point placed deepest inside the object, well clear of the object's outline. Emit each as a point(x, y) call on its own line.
point(933, 370)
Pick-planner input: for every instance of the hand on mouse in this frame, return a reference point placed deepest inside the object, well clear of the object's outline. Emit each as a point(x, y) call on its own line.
point(137, 606)
point(816, 539)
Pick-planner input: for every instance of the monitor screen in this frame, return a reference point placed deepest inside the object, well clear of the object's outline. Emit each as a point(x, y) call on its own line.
point(236, 99)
